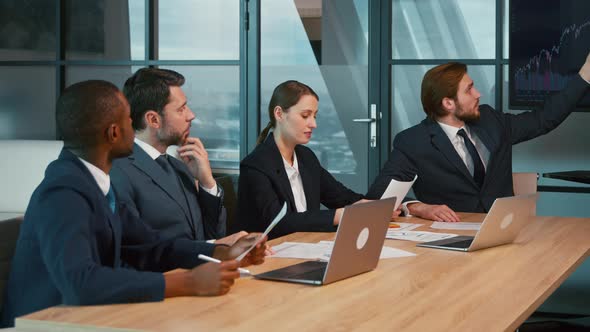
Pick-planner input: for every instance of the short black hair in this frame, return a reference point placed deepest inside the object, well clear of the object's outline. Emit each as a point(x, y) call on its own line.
point(84, 110)
point(149, 89)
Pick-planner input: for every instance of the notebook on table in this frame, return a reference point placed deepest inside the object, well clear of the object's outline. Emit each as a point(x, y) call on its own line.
point(506, 218)
point(359, 240)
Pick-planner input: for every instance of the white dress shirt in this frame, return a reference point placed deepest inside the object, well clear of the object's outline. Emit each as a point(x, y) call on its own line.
point(461, 148)
point(102, 179)
point(296, 183)
point(153, 153)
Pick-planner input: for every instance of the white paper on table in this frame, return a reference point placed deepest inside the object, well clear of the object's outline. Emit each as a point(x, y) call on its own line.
point(386, 252)
point(389, 252)
point(274, 222)
point(323, 250)
point(463, 226)
point(405, 226)
point(416, 236)
point(302, 250)
point(398, 189)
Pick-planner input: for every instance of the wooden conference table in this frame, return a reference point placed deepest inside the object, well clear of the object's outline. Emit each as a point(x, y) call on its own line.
point(494, 289)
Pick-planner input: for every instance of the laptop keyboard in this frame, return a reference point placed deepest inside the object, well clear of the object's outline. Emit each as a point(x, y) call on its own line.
point(310, 270)
point(317, 274)
point(460, 244)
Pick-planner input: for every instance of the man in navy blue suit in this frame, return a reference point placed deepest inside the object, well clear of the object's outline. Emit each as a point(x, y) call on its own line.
point(178, 198)
point(77, 246)
point(462, 152)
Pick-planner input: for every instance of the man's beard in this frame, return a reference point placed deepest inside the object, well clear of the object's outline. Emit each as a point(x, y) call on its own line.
point(468, 116)
point(170, 138)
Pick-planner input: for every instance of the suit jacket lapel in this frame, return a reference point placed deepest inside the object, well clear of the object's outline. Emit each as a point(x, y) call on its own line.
point(278, 170)
point(147, 165)
point(114, 224)
point(190, 200)
point(484, 137)
point(441, 142)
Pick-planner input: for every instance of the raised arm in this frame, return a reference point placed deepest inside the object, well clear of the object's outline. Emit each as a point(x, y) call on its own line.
point(555, 110)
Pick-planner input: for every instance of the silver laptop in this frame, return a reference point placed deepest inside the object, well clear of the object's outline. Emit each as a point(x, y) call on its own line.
point(357, 247)
point(504, 221)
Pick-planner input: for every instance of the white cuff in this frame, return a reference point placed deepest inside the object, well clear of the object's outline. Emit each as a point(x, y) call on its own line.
point(405, 209)
point(212, 240)
point(213, 191)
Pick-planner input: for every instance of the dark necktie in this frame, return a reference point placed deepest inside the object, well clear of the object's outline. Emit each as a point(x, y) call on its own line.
point(174, 180)
point(478, 168)
point(111, 199)
point(162, 160)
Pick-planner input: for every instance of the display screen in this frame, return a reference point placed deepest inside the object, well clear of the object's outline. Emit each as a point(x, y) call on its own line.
point(549, 42)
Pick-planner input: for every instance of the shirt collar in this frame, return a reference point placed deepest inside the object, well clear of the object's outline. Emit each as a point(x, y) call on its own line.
point(451, 131)
point(295, 163)
point(102, 179)
point(150, 150)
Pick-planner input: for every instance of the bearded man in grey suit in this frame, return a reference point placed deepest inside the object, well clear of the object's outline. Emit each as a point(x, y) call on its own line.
point(178, 198)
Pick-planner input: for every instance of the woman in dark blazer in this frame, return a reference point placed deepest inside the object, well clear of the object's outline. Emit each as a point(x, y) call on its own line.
point(281, 169)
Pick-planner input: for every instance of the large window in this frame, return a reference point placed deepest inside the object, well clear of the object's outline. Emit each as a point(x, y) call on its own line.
point(430, 32)
point(27, 30)
point(324, 45)
point(46, 46)
point(452, 29)
point(25, 93)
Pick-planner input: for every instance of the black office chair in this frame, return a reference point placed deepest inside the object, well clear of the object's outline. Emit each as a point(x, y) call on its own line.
point(8, 235)
point(227, 182)
point(553, 324)
point(565, 310)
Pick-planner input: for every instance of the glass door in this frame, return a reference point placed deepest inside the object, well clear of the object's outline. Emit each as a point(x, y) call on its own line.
point(324, 44)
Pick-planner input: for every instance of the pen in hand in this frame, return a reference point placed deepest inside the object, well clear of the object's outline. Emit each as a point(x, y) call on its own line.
point(243, 272)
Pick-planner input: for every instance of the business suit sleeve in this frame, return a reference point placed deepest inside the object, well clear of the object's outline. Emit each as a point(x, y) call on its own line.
point(556, 109)
point(214, 214)
point(65, 236)
point(399, 166)
point(144, 249)
point(257, 194)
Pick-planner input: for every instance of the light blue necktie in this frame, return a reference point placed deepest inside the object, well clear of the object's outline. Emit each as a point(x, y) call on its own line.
point(111, 199)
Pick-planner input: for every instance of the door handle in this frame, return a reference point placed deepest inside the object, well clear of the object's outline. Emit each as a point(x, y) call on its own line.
point(373, 125)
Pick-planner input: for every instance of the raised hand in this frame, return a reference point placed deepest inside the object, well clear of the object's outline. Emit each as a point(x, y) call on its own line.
point(230, 240)
point(195, 156)
point(255, 256)
point(585, 70)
